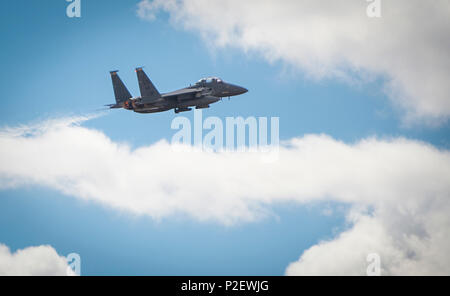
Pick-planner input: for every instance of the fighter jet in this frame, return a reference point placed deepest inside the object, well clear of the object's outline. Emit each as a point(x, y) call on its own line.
point(200, 95)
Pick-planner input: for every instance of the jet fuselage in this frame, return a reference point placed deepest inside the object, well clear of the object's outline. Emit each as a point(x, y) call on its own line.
point(200, 95)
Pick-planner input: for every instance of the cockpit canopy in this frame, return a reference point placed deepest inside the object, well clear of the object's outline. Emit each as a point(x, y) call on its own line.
point(209, 80)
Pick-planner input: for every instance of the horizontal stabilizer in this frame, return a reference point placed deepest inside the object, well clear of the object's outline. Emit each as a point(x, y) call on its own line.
point(114, 106)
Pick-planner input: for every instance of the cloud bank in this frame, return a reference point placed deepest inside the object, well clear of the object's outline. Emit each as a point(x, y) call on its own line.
point(399, 188)
point(32, 261)
point(407, 47)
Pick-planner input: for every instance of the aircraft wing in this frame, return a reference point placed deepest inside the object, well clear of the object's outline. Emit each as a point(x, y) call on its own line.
point(183, 93)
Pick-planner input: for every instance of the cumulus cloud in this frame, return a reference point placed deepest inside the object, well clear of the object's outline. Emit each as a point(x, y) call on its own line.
point(336, 39)
point(399, 188)
point(32, 261)
point(406, 245)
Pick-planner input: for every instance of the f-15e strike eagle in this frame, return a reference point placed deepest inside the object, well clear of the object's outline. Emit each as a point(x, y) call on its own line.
point(206, 91)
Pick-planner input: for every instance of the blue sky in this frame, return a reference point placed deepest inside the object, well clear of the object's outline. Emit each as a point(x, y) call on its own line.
point(54, 66)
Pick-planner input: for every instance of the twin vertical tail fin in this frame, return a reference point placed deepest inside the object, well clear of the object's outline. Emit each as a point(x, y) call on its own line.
point(148, 90)
point(120, 91)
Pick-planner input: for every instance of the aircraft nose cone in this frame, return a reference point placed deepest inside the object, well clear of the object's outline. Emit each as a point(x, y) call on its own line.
point(234, 90)
point(241, 90)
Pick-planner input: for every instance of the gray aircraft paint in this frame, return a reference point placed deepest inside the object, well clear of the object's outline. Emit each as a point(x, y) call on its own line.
point(200, 95)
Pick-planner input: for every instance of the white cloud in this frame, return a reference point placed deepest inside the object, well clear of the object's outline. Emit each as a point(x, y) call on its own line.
point(406, 245)
point(408, 45)
point(404, 183)
point(32, 261)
